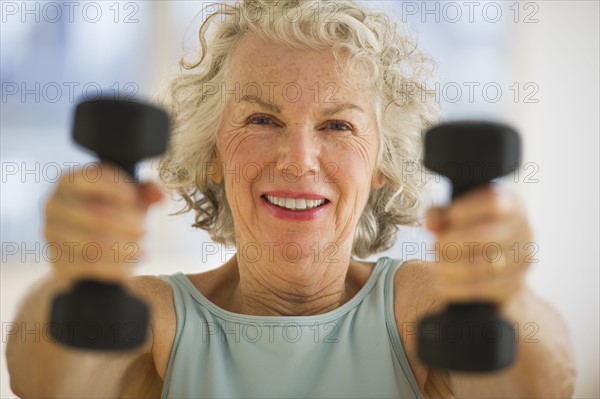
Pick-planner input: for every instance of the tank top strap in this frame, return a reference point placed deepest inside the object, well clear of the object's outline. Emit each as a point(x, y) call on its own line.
point(392, 325)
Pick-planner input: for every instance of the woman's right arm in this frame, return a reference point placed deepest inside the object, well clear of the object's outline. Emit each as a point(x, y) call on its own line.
point(106, 212)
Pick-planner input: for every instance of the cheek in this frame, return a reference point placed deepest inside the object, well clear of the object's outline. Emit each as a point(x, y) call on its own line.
point(352, 162)
point(244, 153)
point(245, 157)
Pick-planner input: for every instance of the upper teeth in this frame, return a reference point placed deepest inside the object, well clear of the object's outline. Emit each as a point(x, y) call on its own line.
point(295, 203)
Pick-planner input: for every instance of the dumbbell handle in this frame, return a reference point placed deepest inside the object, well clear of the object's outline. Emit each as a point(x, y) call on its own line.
point(129, 168)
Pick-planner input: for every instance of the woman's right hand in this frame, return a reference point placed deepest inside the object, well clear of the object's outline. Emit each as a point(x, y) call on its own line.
point(94, 224)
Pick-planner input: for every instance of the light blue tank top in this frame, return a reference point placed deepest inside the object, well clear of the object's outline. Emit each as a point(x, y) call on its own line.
point(353, 351)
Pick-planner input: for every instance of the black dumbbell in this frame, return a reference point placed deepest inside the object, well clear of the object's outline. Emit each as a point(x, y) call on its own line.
point(469, 337)
point(100, 315)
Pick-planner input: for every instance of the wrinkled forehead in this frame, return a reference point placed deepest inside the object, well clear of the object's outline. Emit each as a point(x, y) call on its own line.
point(283, 70)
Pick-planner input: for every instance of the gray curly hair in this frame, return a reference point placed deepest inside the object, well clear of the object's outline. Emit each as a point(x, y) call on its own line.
point(403, 110)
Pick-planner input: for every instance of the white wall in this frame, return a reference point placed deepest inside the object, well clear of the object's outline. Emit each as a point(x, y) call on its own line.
point(560, 53)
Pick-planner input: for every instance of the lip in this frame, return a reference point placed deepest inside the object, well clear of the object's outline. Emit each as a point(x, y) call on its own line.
point(299, 215)
point(294, 195)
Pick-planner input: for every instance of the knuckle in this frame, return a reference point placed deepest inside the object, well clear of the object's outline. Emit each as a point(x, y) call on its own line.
point(500, 204)
point(71, 178)
point(103, 226)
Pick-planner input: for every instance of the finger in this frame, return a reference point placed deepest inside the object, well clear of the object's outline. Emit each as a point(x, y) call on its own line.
point(482, 204)
point(497, 290)
point(484, 234)
point(73, 246)
point(477, 269)
point(434, 219)
point(484, 250)
point(69, 246)
point(97, 219)
point(101, 184)
point(150, 192)
point(84, 265)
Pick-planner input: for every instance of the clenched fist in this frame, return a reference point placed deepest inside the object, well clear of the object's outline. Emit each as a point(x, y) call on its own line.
point(484, 247)
point(93, 225)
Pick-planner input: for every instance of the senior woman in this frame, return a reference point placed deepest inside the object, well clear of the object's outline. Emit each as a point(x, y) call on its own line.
point(291, 131)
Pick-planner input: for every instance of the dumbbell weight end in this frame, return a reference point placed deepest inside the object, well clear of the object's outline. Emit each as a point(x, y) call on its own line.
point(467, 337)
point(99, 316)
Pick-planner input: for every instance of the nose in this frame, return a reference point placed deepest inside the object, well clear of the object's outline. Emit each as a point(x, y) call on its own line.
point(298, 152)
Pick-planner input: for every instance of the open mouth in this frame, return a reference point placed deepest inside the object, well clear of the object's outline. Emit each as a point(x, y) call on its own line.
point(295, 204)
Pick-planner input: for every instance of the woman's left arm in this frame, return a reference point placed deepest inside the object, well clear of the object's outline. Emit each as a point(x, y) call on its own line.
point(492, 228)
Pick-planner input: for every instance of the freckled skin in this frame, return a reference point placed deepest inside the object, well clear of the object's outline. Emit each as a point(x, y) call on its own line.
point(297, 148)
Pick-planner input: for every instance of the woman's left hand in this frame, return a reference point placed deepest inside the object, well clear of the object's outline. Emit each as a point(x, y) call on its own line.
point(484, 247)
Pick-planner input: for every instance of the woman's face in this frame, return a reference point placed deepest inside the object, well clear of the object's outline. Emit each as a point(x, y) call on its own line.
point(298, 151)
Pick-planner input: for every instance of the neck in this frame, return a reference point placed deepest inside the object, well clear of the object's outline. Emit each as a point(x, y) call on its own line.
point(280, 287)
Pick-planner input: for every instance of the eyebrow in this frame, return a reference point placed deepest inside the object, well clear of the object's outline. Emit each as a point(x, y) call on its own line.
point(265, 104)
point(341, 107)
point(277, 109)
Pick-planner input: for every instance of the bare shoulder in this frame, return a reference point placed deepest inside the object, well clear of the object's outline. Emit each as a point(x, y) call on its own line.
point(159, 296)
point(414, 287)
point(414, 297)
point(152, 288)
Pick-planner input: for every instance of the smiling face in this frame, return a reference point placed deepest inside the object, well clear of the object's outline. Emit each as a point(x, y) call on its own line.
point(297, 149)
